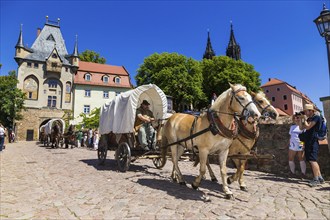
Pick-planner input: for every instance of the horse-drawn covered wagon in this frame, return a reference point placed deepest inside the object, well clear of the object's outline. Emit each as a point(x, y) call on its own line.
point(118, 131)
point(53, 133)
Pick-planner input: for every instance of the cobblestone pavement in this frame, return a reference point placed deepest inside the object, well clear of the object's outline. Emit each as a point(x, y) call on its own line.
point(41, 183)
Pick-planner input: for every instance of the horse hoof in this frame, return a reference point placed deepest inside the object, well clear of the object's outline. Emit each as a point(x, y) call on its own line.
point(243, 188)
point(214, 180)
point(230, 196)
point(183, 183)
point(229, 181)
point(194, 186)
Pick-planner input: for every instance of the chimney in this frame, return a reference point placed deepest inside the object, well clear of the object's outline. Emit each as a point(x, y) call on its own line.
point(38, 31)
point(269, 79)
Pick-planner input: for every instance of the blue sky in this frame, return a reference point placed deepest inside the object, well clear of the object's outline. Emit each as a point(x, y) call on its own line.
point(279, 38)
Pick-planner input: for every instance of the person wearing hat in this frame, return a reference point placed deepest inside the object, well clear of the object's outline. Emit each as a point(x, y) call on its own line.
point(311, 122)
point(143, 120)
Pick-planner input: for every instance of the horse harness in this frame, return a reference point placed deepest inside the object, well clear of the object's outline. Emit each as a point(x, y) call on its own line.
point(216, 126)
point(246, 133)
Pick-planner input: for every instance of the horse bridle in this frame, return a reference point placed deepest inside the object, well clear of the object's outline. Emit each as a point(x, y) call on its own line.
point(244, 107)
point(264, 111)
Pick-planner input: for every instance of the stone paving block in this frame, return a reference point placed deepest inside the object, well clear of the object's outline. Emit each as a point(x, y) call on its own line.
point(69, 184)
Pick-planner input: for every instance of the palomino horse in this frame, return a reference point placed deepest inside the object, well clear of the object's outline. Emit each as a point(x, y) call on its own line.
point(247, 135)
point(183, 130)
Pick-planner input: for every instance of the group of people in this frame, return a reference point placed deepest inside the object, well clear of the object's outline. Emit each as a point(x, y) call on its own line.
point(304, 142)
point(89, 139)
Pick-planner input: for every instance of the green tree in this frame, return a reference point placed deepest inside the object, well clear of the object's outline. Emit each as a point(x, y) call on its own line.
point(11, 99)
point(91, 120)
point(177, 75)
point(222, 69)
point(91, 56)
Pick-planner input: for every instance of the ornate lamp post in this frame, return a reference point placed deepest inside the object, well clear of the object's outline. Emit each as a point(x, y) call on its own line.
point(323, 25)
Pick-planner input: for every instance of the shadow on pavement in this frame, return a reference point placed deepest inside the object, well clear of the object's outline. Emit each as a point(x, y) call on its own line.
point(172, 189)
point(276, 178)
point(324, 189)
point(111, 165)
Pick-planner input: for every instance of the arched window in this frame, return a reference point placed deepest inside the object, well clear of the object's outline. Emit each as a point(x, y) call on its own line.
point(88, 77)
point(31, 87)
point(117, 80)
point(105, 79)
point(68, 92)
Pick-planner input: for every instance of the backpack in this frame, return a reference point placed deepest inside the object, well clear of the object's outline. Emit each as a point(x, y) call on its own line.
point(321, 134)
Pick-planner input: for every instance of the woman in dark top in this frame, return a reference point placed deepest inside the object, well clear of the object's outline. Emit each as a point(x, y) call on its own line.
point(311, 122)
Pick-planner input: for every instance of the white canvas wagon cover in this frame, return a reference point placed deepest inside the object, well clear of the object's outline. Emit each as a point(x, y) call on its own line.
point(49, 125)
point(118, 116)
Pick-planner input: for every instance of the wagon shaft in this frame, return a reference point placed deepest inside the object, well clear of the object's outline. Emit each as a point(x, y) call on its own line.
point(252, 156)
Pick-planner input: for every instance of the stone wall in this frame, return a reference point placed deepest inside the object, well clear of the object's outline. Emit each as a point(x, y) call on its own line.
point(274, 140)
point(32, 119)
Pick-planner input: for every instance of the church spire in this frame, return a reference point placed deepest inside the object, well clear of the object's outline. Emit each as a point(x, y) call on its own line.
point(75, 50)
point(233, 50)
point(20, 39)
point(209, 52)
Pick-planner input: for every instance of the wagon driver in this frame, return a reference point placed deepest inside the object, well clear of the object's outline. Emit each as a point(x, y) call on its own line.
point(143, 120)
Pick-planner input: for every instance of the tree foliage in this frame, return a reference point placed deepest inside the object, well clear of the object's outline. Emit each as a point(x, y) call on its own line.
point(91, 56)
point(91, 120)
point(177, 75)
point(221, 70)
point(11, 99)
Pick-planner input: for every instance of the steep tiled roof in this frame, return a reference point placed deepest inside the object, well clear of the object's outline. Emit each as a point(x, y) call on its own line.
point(102, 68)
point(272, 82)
point(98, 71)
point(275, 81)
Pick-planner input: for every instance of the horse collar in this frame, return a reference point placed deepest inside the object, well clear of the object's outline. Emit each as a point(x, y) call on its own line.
point(245, 132)
point(217, 127)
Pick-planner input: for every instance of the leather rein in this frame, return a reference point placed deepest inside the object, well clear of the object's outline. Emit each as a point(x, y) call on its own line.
point(216, 125)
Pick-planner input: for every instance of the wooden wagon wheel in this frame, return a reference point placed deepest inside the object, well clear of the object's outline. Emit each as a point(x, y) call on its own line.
point(123, 156)
point(102, 150)
point(102, 153)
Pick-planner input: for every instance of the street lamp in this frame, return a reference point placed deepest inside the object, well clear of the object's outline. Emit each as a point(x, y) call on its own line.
point(323, 25)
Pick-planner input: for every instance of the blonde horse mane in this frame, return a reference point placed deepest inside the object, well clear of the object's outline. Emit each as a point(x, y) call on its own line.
point(261, 93)
point(219, 102)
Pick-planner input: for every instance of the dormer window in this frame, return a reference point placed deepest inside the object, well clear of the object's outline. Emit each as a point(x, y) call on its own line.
point(54, 56)
point(51, 38)
point(105, 79)
point(88, 77)
point(117, 80)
